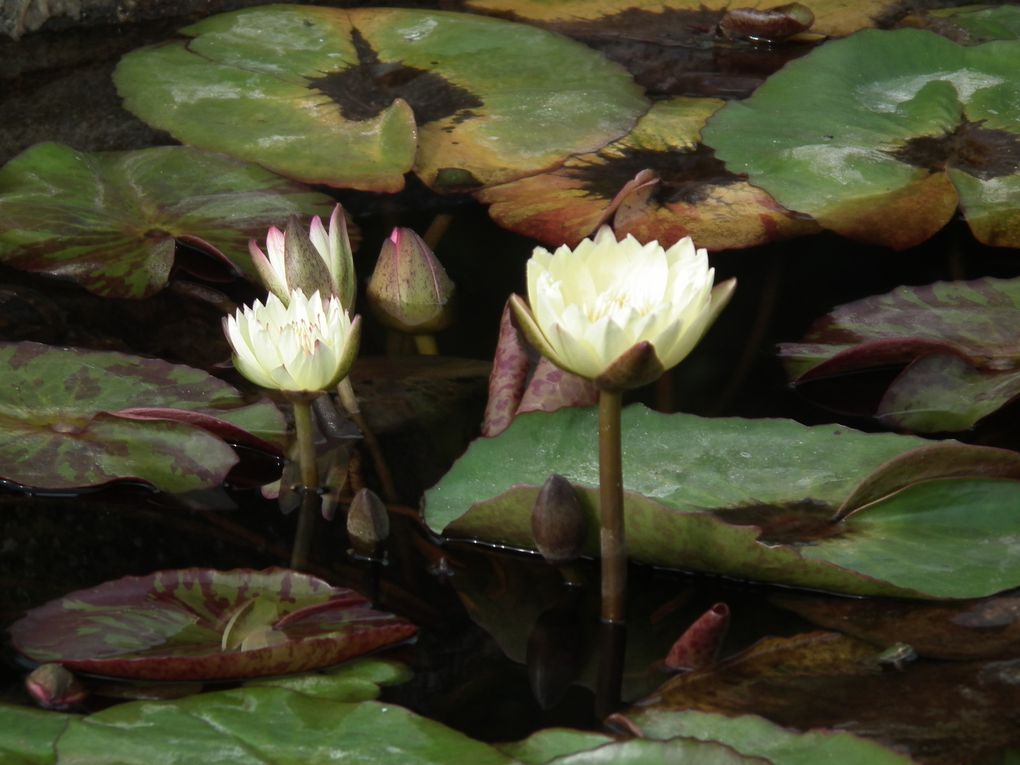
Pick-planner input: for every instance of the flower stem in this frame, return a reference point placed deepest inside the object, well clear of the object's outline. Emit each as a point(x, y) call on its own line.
point(310, 501)
point(426, 345)
point(349, 400)
point(612, 538)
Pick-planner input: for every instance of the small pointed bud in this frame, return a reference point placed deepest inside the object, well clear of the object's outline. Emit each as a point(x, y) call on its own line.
point(699, 646)
point(305, 268)
point(368, 524)
point(409, 290)
point(52, 686)
point(558, 522)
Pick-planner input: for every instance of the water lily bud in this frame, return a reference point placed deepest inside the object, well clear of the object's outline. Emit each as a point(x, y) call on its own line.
point(409, 290)
point(52, 686)
point(558, 522)
point(368, 523)
point(699, 646)
point(314, 261)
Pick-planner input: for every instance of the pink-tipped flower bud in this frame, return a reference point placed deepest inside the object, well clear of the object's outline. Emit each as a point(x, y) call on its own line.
point(409, 290)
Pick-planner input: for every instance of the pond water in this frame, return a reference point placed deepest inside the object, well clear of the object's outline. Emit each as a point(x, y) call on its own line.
point(509, 644)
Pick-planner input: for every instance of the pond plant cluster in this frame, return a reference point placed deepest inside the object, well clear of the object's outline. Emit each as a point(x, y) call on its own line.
point(837, 594)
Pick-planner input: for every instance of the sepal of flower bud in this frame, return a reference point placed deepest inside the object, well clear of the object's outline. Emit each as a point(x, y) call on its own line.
point(305, 267)
point(368, 523)
point(558, 522)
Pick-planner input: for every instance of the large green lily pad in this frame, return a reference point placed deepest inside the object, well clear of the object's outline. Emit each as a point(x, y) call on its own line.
point(73, 418)
point(358, 98)
point(111, 221)
point(940, 713)
point(882, 135)
point(658, 182)
point(203, 624)
point(753, 499)
point(955, 340)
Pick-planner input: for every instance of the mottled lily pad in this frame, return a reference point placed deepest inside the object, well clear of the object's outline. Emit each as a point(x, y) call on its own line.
point(358, 98)
point(202, 624)
point(882, 135)
point(752, 499)
point(658, 182)
point(111, 221)
point(72, 418)
point(939, 713)
point(955, 340)
point(832, 17)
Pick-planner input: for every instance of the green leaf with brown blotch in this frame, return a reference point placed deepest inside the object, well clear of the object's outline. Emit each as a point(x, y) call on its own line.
point(657, 182)
point(203, 624)
point(754, 499)
point(954, 341)
point(71, 419)
point(357, 98)
point(111, 221)
point(881, 136)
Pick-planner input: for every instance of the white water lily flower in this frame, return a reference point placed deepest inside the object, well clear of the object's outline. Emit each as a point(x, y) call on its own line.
point(619, 313)
point(292, 264)
point(303, 346)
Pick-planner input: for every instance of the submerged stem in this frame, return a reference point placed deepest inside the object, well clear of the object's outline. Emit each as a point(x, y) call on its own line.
point(612, 537)
point(310, 501)
point(349, 400)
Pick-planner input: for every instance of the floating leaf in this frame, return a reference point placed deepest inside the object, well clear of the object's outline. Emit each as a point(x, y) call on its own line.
point(881, 135)
point(658, 182)
point(832, 17)
point(27, 736)
point(753, 735)
point(939, 713)
point(72, 418)
point(979, 629)
point(747, 498)
point(111, 220)
point(176, 625)
point(971, 24)
point(954, 338)
point(356, 98)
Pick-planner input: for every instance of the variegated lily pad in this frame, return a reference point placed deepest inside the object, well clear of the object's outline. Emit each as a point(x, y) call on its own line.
point(357, 98)
point(202, 624)
point(972, 23)
point(111, 221)
point(882, 135)
point(832, 17)
point(772, 500)
point(658, 182)
point(72, 418)
point(955, 340)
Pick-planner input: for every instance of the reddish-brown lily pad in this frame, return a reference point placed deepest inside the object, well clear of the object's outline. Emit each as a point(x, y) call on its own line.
point(358, 98)
point(955, 340)
point(111, 221)
point(658, 182)
point(202, 624)
point(72, 419)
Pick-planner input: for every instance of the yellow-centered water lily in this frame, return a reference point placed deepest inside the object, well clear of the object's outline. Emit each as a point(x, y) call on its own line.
point(304, 346)
point(318, 260)
point(618, 312)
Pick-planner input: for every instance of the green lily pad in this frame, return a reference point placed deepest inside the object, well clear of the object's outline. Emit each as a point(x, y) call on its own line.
point(953, 338)
point(27, 736)
point(752, 735)
point(880, 136)
point(942, 713)
point(749, 498)
point(111, 221)
point(72, 418)
point(971, 24)
point(357, 98)
point(658, 182)
point(203, 624)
